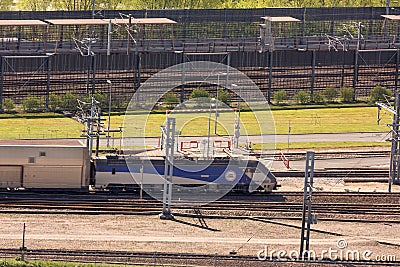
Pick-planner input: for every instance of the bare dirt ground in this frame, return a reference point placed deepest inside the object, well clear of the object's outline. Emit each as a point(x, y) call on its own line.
point(149, 233)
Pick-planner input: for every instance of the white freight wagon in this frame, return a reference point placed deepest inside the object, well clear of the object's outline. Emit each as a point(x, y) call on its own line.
point(44, 165)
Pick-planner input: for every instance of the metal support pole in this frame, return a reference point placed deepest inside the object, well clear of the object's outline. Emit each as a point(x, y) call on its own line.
point(313, 55)
point(168, 168)
point(23, 248)
point(90, 127)
point(109, 113)
point(141, 181)
point(355, 76)
point(182, 95)
point(1, 83)
point(307, 204)
point(138, 75)
point(343, 63)
point(270, 58)
point(209, 131)
point(395, 150)
point(109, 38)
point(216, 101)
point(48, 67)
point(93, 73)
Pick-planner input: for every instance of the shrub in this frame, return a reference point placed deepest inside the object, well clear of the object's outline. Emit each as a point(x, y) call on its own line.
point(54, 102)
point(171, 99)
point(379, 93)
point(223, 96)
point(280, 96)
point(346, 94)
point(31, 103)
point(318, 98)
point(103, 99)
point(69, 102)
point(200, 97)
point(8, 104)
point(302, 98)
point(330, 94)
point(196, 93)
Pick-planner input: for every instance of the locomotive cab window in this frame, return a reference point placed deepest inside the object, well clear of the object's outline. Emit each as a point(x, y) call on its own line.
point(113, 171)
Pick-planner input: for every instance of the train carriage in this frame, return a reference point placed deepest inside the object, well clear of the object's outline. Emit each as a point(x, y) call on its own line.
point(50, 165)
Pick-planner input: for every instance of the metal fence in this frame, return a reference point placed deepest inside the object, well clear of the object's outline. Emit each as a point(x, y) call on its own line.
point(328, 47)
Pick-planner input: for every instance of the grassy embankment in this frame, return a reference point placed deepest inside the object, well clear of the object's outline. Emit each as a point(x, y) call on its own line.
point(302, 121)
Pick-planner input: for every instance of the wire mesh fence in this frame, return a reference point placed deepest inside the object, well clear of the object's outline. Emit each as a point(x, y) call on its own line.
point(328, 47)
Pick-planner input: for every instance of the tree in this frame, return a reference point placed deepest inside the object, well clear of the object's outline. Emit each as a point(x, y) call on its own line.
point(69, 102)
point(330, 94)
point(6, 5)
point(302, 98)
point(379, 93)
point(8, 104)
point(200, 97)
point(318, 98)
point(346, 94)
point(280, 96)
point(54, 102)
point(196, 93)
point(171, 99)
point(35, 5)
point(103, 98)
point(31, 103)
point(223, 96)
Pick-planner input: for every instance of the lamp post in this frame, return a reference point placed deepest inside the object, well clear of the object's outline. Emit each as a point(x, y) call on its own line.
point(216, 102)
point(109, 113)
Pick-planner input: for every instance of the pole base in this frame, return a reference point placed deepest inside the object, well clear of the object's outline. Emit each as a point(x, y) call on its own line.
point(166, 216)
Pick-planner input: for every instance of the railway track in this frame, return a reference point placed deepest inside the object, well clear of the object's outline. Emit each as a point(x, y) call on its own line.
point(272, 208)
point(369, 206)
point(181, 259)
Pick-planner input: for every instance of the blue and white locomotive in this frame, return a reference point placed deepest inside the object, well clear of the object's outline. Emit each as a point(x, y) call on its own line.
point(243, 173)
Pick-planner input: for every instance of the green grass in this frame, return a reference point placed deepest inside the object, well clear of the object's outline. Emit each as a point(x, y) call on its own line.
point(43, 125)
point(329, 120)
point(302, 121)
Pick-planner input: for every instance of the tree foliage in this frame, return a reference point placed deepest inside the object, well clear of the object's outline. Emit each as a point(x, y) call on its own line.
point(41, 5)
point(8, 104)
point(330, 94)
point(302, 98)
point(196, 93)
point(32, 104)
point(280, 97)
point(379, 93)
point(223, 96)
point(171, 99)
point(346, 94)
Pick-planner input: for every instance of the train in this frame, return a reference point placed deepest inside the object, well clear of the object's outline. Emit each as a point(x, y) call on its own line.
point(45, 165)
point(54, 165)
point(129, 172)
